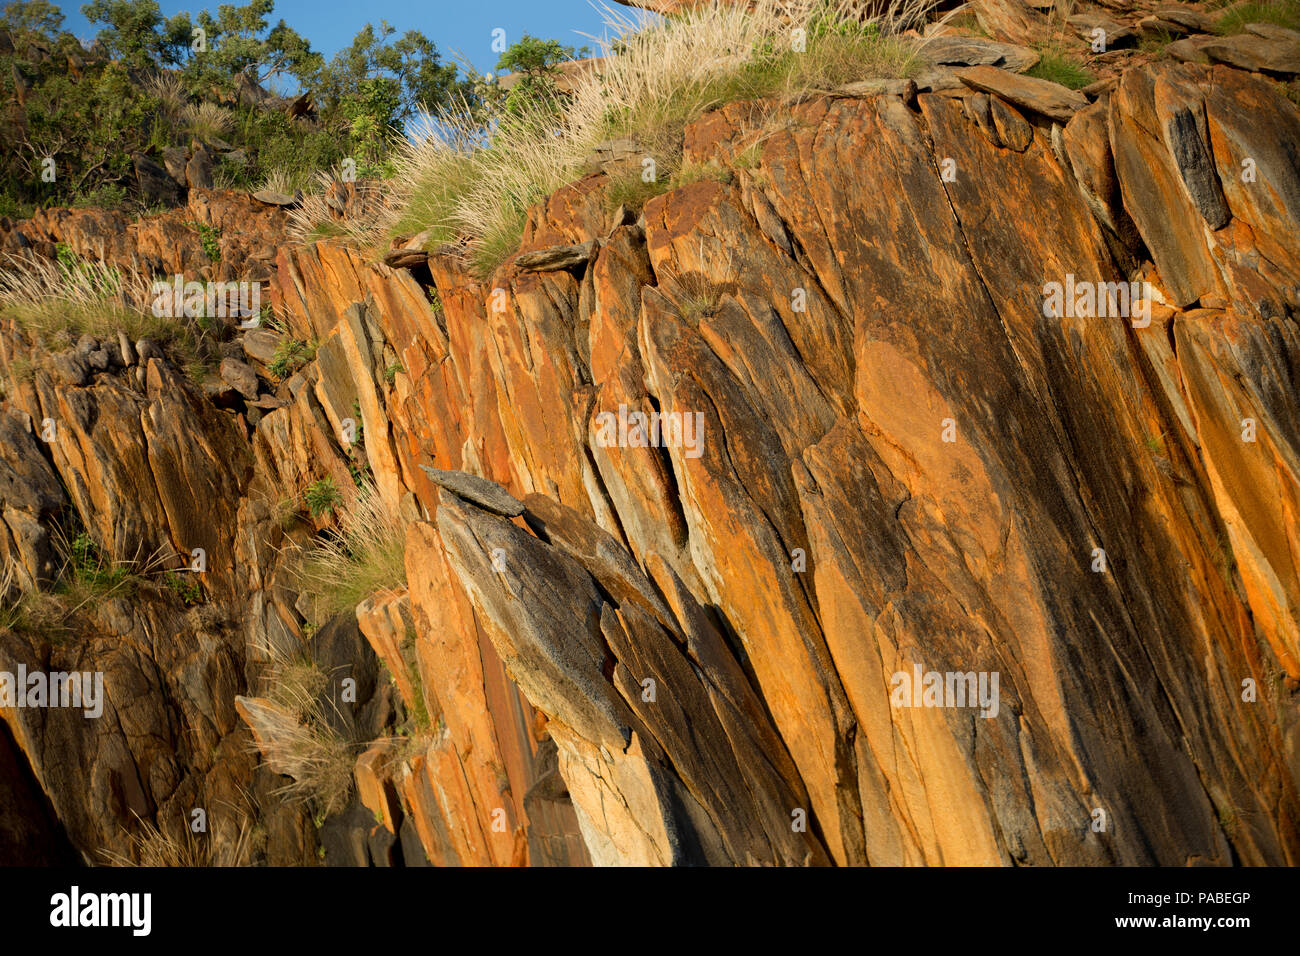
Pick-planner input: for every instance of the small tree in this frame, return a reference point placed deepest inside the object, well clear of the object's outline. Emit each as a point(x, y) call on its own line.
point(377, 83)
point(537, 63)
point(136, 32)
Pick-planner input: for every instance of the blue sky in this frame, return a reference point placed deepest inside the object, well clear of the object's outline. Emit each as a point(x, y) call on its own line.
point(465, 26)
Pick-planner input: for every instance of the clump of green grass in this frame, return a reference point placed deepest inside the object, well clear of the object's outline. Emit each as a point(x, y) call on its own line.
point(418, 721)
point(366, 555)
point(461, 181)
point(1156, 43)
point(1283, 13)
point(749, 157)
point(1229, 820)
point(631, 189)
point(290, 355)
point(87, 577)
point(45, 297)
point(56, 301)
point(92, 571)
point(700, 172)
point(1059, 67)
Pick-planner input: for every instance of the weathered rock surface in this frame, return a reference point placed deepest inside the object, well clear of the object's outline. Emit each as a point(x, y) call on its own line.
point(878, 449)
point(1041, 96)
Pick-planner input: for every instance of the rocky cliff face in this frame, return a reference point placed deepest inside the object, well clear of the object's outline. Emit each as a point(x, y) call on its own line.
point(885, 450)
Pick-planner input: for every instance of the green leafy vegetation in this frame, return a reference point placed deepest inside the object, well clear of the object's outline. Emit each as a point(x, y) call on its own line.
point(418, 720)
point(87, 577)
point(322, 497)
point(185, 586)
point(210, 238)
point(290, 355)
point(149, 83)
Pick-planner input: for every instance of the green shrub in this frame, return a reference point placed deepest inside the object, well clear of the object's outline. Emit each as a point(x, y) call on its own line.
point(322, 497)
point(210, 238)
point(186, 586)
point(290, 355)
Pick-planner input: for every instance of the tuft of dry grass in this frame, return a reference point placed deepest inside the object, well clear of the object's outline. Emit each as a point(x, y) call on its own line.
point(296, 685)
point(300, 741)
point(288, 182)
point(57, 301)
point(352, 213)
point(366, 555)
point(208, 121)
point(155, 848)
point(45, 296)
point(462, 181)
point(166, 85)
point(87, 577)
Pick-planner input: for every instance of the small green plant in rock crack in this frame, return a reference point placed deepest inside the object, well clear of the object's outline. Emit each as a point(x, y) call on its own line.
point(185, 586)
point(1057, 66)
point(90, 566)
point(390, 373)
point(290, 355)
point(358, 460)
point(210, 237)
point(361, 424)
point(322, 497)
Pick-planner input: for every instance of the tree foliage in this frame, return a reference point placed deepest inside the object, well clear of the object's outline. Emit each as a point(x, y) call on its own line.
point(151, 82)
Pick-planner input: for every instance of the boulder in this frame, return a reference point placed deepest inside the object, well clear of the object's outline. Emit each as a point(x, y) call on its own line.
point(239, 377)
point(1039, 96)
point(154, 184)
point(198, 171)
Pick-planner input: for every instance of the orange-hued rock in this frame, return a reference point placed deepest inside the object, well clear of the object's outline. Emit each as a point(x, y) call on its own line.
point(784, 441)
point(169, 243)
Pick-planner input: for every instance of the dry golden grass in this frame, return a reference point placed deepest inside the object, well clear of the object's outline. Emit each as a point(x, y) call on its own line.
point(360, 222)
point(167, 87)
point(45, 296)
point(208, 121)
point(155, 848)
point(366, 555)
point(302, 743)
point(659, 74)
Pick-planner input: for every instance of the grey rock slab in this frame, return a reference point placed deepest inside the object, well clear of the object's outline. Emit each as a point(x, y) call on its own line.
point(486, 494)
point(978, 51)
point(1039, 96)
